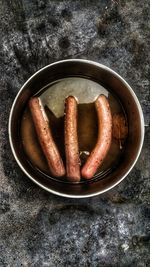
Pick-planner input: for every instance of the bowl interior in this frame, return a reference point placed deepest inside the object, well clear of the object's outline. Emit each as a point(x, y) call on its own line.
point(116, 85)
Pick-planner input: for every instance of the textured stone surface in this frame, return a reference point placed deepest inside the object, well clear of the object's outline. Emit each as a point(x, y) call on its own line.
point(39, 229)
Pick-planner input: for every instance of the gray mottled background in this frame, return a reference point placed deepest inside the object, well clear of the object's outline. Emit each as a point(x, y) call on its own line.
point(37, 228)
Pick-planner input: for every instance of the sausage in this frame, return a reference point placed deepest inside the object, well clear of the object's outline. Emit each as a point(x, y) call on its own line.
point(71, 140)
point(120, 127)
point(101, 149)
point(45, 138)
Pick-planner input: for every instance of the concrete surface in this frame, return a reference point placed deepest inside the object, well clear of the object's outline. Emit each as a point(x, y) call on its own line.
point(39, 229)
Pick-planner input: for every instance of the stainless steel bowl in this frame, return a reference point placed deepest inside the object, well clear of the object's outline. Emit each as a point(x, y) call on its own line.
point(110, 79)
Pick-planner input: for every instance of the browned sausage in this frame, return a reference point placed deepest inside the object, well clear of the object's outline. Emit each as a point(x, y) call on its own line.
point(100, 151)
point(71, 140)
point(45, 138)
point(120, 128)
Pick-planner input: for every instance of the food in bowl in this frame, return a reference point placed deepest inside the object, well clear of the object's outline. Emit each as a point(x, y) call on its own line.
point(85, 80)
point(75, 137)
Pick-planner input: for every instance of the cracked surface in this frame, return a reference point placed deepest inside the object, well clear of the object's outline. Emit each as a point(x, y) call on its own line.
point(39, 229)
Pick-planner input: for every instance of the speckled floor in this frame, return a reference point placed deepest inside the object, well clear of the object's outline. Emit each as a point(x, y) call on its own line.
point(39, 229)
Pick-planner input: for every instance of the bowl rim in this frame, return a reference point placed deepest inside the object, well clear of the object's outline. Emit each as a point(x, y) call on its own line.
point(141, 121)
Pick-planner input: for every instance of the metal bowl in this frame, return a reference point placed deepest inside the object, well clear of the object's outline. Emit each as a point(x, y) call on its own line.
point(110, 79)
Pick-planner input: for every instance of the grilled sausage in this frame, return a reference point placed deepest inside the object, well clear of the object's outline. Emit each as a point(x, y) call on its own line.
point(45, 138)
point(101, 149)
point(71, 140)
